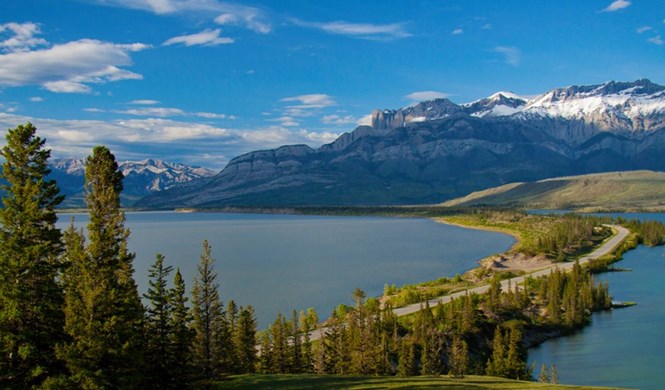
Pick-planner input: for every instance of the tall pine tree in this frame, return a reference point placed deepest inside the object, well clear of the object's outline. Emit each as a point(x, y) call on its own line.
point(31, 298)
point(182, 334)
point(209, 319)
point(160, 356)
point(103, 312)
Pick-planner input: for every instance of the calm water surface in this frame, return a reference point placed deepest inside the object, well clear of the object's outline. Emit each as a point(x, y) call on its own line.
point(284, 262)
point(623, 347)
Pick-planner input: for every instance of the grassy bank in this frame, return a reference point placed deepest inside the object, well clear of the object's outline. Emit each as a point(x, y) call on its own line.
point(322, 382)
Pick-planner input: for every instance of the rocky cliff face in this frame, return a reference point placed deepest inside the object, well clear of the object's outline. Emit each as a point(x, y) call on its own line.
point(438, 150)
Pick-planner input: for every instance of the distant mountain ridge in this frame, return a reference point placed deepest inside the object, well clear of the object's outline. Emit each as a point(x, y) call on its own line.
point(141, 178)
point(438, 150)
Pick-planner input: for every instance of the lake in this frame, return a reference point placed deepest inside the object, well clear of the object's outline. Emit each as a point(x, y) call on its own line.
point(285, 262)
point(622, 347)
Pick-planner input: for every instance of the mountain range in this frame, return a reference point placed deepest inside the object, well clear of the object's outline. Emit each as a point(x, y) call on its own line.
point(438, 150)
point(141, 178)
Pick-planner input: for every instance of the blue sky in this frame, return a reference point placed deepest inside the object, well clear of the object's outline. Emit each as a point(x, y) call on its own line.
point(203, 81)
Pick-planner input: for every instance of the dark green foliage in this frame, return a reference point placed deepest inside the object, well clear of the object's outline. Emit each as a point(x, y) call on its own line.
point(167, 335)
point(209, 322)
point(31, 298)
point(182, 334)
point(244, 341)
point(651, 233)
point(104, 315)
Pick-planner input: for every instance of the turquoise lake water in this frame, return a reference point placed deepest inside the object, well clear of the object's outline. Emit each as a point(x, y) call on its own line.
point(285, 262)
point(623, 347)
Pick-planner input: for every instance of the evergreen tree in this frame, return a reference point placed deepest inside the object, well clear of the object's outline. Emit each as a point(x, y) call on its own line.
point(161, 357)
point(406, 363)
point(296, 359)
point(543, 377)
point(103, 311)
point(244, 340)
point(208, 318)
point(459, 358)
point(181, 333)
point(31, 298)
point(308, 323)
point(281, 359)
point(554, 374)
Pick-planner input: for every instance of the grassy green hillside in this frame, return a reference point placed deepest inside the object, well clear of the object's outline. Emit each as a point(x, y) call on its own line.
point(322, 382)
point(632, 190)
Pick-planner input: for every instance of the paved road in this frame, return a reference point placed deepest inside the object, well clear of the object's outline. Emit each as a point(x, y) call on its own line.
point(604, 249)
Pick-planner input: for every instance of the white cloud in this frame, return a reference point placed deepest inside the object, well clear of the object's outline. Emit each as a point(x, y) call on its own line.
point(153, 111)
point(158, 138)
point(457, 31)
point(512, 54)
point(69, 67)
point(311, 101)
point(286, 121)
point(22, 38)
point(486, 26)
point(617, 5)
point(36, 99)
point(359, 30)
point(206, 37)
point(93, 109)
point(643, 29)
point(144, 102)
point(426, 95)
point(365, 120)
point(657, 40)
point(338, 120)
point(248, 17)
point(212, 115)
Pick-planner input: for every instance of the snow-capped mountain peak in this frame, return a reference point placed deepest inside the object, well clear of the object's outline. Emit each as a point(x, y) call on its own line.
point(499, 104)
point(624, 106)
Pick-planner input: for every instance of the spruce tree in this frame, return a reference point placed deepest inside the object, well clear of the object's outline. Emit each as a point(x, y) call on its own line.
point(244, 340)
point(543, 377)
point(459, 358)
point(181, 333)
point(103, 311)
point(209, 321)
point(31, 298)
point(160, 359)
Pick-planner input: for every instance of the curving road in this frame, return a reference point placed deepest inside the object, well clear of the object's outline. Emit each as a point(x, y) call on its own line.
point(604, 249)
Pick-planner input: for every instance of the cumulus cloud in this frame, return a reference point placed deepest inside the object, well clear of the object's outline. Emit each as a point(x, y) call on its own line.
point(457, 31)
point(359, 30)
point(365, 120)
point(163, 138)
point(286, 121)
point(657, 40)
point(426, 95)
point(617, 5)
point(21, 37)
point(338, 119)
point(206, 37)
point(317, 100)
point(512, 55)
point(643, 29)
point(36, 99)
point(69, 67)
